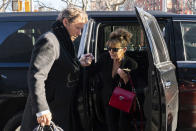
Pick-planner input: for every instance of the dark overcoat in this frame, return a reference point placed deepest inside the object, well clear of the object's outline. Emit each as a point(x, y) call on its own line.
point(53, 78)
point(115, 120)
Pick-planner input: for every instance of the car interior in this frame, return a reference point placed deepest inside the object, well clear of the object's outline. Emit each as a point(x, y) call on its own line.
point(137, 50)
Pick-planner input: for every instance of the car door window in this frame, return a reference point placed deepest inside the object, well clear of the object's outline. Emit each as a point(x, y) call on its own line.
point(138, 40)
point(161, 48)
point(17, 39)
point(189, 40)
point(84, 47)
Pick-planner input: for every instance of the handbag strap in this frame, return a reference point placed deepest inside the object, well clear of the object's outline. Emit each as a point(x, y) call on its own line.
point(138, 103)
point(131, 83)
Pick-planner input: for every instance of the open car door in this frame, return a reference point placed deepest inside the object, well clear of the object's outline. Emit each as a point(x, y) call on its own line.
point(163, 108)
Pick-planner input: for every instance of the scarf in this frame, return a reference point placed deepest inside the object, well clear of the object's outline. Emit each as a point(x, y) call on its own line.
point(64, 38)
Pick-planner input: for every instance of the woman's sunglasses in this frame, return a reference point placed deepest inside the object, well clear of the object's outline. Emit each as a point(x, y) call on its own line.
point(113, 49)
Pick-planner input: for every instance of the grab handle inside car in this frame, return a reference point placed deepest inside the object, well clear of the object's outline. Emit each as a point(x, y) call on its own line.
point(3, 76)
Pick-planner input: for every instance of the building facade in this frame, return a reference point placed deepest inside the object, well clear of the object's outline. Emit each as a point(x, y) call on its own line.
point(174, 6)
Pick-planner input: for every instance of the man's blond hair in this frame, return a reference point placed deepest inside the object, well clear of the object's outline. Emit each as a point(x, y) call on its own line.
point(72, 13)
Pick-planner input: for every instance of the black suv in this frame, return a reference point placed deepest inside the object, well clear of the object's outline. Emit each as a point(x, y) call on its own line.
point(164, 51)
point(18, 32)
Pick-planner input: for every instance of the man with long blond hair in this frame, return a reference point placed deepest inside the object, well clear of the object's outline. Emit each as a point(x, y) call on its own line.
point(53, 75)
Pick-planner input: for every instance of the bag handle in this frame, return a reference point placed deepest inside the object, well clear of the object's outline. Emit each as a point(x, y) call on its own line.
point(138, 103)
point(51, 127)
point(131, 82)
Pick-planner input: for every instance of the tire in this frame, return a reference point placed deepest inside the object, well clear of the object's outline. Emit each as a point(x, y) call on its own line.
point(13, 123)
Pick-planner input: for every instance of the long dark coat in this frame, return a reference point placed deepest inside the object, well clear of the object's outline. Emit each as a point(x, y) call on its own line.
point(53, 79)
point(115, 120)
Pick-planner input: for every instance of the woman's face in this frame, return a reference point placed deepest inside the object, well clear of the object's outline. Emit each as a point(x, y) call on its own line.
point(116, 51)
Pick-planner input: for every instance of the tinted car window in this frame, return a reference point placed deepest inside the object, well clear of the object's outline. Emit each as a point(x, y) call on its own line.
point(8, 28)
point(138, 40)
point(17, 39)
point(189, 40)
point(161, 48)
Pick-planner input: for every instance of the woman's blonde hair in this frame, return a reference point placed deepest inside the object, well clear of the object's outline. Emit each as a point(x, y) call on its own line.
point(72, 13)
point(121, 36)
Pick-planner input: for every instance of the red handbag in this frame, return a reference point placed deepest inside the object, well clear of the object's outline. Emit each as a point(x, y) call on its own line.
point(123, 99)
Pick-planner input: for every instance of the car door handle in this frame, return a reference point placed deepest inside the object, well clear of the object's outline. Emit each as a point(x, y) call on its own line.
point(167, 84)
point(3, 76)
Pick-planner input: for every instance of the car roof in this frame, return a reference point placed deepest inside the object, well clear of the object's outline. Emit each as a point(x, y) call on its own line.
point(126, 14)
point(123, 13)
point(25, 16)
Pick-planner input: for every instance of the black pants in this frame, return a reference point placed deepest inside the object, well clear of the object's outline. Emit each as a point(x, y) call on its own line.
point(117, 120)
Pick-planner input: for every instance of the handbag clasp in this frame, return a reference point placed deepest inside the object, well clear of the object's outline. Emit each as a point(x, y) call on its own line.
point(121, 97)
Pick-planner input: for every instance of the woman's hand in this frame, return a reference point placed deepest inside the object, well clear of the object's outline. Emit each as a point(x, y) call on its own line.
point(123, 75)
point(45, 119)
point(86, 59)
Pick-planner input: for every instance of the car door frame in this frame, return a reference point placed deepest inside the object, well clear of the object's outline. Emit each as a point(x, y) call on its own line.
point(165, 73)
point(186, 79)
point(85, 47)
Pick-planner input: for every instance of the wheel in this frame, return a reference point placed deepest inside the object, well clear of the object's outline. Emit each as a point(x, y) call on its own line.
point(14, 123)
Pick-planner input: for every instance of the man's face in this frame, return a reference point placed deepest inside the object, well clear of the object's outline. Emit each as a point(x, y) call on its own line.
point(74, 28)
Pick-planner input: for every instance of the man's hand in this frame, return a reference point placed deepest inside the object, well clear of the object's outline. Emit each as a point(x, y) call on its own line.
point(44, 119)
point(86, 59)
